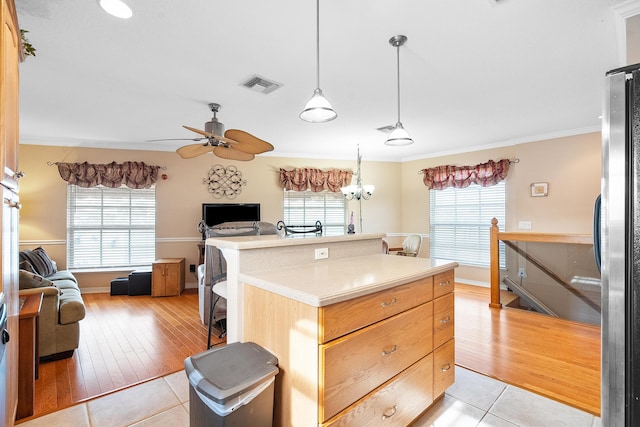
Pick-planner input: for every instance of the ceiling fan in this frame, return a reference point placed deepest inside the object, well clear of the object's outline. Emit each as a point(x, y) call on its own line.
point(234, 145)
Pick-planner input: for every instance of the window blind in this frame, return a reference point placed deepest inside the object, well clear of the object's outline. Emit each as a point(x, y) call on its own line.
point(110, 227)
point(307, 207)
point(461, 221)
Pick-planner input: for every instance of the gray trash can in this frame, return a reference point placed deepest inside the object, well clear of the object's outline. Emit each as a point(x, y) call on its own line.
point(231, 386)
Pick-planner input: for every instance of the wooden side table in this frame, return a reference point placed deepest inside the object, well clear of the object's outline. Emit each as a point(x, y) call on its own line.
point(28, 360)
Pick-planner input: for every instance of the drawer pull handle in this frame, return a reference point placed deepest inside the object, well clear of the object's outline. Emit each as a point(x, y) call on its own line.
point(390, 412)
point(393, 350)
point(445, 368)
point(447, 283)
point(386, 304)
point(446, 319)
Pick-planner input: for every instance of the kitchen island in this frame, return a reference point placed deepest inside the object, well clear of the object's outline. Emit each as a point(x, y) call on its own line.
point(365, 340)
point(264, 252)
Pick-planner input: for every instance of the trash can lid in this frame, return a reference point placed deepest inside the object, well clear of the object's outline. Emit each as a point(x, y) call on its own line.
point(229, 371)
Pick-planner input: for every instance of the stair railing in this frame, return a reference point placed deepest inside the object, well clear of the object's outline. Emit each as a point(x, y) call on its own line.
point(508, 237)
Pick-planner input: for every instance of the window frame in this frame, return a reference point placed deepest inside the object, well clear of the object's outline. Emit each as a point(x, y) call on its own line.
point(476, 225)
point(124, 215)
point(330, 227)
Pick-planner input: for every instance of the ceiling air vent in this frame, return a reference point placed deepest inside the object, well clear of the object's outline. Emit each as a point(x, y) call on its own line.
point(260, 84)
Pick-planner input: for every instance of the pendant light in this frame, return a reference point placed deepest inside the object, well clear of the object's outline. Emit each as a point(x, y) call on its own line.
point(398, 135)
point(318, 109)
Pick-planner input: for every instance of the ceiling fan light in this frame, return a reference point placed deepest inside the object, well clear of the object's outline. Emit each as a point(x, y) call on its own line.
point(117, 8)
point(318, 109)
point(399, 136)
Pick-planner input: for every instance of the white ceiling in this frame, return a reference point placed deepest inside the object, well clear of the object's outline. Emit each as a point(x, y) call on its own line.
point(473, 74)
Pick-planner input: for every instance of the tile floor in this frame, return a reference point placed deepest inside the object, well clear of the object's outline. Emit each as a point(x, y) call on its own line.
point(473, 401)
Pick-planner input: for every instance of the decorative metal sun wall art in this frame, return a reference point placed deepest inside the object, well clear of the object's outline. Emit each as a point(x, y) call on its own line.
point(224, 181)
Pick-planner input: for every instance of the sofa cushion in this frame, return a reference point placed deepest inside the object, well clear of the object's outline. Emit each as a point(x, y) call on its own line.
point(38, 258)
point(71, 307)
point(63, 275)
point(28, 280)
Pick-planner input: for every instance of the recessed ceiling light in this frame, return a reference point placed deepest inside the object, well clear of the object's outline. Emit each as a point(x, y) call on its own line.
point(117, 8)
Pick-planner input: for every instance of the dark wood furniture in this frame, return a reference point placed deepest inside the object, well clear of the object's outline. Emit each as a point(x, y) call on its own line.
point(28, 362)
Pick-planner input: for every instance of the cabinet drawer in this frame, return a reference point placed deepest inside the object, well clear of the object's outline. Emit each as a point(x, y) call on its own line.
point(443, 367)
point(443, 321)
point(360, 362)
point(341, 318)
point(396, 403)
point(443, 283)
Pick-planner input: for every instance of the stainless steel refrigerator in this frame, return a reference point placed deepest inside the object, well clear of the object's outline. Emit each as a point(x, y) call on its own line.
point(620, 248)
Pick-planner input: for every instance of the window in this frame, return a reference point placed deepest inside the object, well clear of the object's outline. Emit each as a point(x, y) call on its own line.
point(110, 227)
point(461, 222)
point(307, 207)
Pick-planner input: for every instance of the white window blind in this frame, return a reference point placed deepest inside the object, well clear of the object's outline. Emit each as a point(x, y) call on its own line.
point(461, 222)
point(110, 227)
point(307, 207)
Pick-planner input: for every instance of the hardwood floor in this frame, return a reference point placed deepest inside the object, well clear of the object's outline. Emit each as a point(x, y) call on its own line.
point(128, 340)
point(124, 340)
point(556, 358)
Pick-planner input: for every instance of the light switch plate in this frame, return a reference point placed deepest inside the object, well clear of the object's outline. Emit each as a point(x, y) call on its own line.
point(524, 225)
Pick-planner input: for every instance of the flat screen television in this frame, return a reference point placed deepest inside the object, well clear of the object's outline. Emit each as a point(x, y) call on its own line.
point(217, 213)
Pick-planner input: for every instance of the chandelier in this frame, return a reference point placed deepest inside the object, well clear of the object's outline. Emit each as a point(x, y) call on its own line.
point(358, 191)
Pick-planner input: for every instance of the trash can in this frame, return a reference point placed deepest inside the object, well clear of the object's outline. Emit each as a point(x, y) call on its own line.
point(231, 386)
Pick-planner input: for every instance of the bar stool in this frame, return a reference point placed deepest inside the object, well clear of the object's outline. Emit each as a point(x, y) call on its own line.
point(218, 290)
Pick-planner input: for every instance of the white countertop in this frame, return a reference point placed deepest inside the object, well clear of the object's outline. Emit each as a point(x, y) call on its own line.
point(275, 240)
point(325, 282)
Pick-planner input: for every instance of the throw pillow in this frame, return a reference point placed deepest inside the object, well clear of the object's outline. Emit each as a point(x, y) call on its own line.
point(26, 265)
point(32, 280)
point(38, 258)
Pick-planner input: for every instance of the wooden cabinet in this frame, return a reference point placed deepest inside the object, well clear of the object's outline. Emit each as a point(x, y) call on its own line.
point(353, 362)
point(9, 85)
point(167, 277)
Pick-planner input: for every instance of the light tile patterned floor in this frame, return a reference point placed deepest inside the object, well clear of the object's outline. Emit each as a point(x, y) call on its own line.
point(473, 401)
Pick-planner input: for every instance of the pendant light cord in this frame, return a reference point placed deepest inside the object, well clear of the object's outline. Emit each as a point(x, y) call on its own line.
point(398, 63)
point(317, 43)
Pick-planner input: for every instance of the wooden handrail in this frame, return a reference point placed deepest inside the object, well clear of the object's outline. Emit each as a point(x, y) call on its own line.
point(497, 236)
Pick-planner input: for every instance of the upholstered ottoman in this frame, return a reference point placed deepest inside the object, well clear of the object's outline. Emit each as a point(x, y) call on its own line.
point(120, 286)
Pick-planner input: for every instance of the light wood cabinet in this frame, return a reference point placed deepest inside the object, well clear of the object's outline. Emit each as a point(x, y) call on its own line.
point(351, 363)
point(9, 86)
point(167, 277)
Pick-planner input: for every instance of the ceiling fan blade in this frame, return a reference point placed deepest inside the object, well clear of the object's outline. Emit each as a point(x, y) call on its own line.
point(193, 150)
point(176, 139)
point(247, 142)
point(231, 153)
point(201, 132)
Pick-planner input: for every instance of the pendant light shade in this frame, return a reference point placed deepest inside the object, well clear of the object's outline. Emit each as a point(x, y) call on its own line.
point(318, 109)
point(117, 8)
point(398, 136)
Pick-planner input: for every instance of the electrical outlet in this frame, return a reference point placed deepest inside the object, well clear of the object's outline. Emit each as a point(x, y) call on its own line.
point(322, 253)
point(522, 273)
point(192, 268)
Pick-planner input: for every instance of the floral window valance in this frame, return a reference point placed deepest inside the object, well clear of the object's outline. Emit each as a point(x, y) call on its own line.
point(316, 180)
point(112, 175)
point(484, 174)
